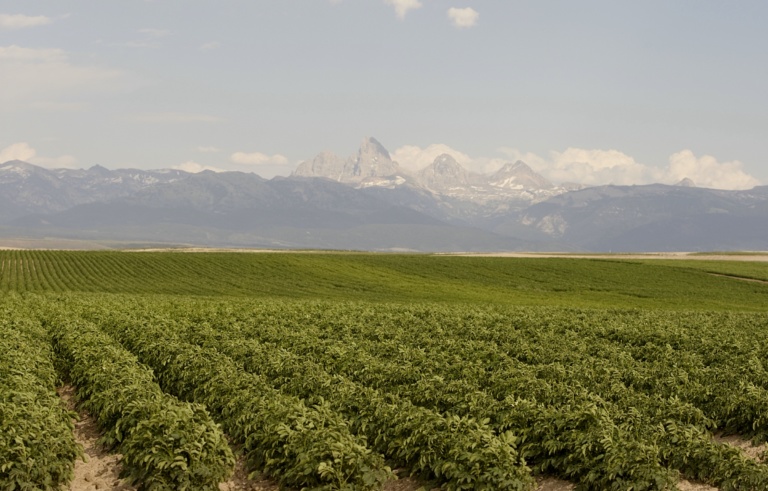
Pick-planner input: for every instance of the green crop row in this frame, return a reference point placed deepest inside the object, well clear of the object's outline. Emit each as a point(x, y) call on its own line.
point(301, 446)
point(166, 444)
point(541, 388)
point(37, 446)
point(576, 416)
point(459, 453)
point(469, 397)
point(575, 437)
point(392, 278)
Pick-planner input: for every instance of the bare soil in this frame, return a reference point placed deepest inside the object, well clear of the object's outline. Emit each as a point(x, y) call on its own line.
point(753, 452)
point(101, 469)
point(684, 485)
point(240, 482)
point(553, 484)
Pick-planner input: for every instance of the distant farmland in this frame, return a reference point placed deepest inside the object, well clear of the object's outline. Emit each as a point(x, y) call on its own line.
point(331, 370)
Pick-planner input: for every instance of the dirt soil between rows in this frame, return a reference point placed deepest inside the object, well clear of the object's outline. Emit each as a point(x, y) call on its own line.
point(101, 470)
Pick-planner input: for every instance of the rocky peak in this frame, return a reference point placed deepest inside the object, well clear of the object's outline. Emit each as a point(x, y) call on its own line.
point(443, 173)
point(519, 175)
point(325, 164)
point(372, 147)
point(686, 183)
point(447, 165)
point(373, 160)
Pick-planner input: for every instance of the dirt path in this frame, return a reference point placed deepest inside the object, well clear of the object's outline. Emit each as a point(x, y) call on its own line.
point(101, 470)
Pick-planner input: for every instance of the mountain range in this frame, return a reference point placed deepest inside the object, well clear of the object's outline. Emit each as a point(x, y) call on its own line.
point(367, 201)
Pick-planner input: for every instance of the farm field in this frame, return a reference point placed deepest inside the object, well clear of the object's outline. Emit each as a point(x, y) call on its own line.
point(338, 371)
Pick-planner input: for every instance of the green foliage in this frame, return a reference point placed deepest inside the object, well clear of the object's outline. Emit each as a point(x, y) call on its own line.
point(459, 453)
point(300, 445)
point(166, 444)
point(467, 371)
point(388, 278)
point(37, 447)
point(600, 397)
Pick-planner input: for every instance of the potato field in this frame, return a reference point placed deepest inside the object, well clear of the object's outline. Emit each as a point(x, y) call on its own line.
point(345, 371)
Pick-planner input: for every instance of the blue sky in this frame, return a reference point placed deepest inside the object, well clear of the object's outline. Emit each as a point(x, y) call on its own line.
point(590, 91)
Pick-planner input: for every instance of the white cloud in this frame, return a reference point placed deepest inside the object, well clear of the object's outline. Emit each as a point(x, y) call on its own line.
point(706, 171)
point(208, 47)
point(598, 167)
point(31, 74)
point(17, 151)
point(20, 21)
point(176, 117)
point(23, 151)
point(258, 158)
point(194, 167)
point(403, 6)
point(414, 158)
point(208, 149)
point(463, 18)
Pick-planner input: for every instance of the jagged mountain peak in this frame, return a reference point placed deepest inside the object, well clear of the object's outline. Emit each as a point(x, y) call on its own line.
point(372, 146)
point(325, 164)
point(373, 160)
point(445, 164)
point(518, 166)
point(686, 183)
point(519, 175)
point(443, 174)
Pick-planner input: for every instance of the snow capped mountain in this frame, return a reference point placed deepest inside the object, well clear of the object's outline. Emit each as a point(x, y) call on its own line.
point(28, 188)
point(444, 175)
point(519, 176)
point(514, 186)
point(368, 202)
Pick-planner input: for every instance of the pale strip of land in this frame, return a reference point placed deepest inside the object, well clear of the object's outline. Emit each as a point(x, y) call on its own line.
point(73, 244)
point(698, 256)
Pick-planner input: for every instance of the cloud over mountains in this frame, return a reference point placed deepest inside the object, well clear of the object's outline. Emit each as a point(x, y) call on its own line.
point(594, 167)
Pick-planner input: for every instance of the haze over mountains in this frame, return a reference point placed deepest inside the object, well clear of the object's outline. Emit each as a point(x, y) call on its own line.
point(367, 201)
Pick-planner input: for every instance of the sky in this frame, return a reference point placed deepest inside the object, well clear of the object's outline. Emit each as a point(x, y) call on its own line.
point(588, 91)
